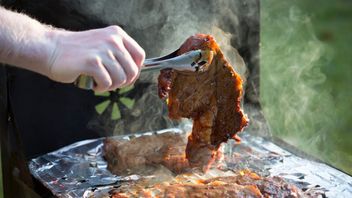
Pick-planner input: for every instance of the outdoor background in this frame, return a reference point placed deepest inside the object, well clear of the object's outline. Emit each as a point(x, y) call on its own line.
point(306, 76)
point(305, 69)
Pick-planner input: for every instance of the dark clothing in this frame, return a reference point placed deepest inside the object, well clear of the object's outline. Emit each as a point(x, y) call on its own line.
point(49, 115)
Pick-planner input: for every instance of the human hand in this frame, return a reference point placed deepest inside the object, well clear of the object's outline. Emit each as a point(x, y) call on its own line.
point(109, 55)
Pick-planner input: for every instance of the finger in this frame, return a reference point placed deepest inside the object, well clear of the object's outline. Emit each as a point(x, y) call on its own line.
point(127, 63)
point(101, 76)
point(136, 51)
point(117, 73)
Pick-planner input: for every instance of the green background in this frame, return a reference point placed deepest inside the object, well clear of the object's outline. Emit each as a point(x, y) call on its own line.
point(306, 76)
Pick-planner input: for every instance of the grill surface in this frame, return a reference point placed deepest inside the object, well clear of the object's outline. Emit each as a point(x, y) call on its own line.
point(79, 169)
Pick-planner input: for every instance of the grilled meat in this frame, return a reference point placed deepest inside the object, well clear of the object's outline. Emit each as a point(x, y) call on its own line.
point(245, 184)
point(211, 98)
point(143, 154)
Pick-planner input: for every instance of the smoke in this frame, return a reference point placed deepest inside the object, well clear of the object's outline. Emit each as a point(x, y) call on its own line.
point(295, 95)
point(161, 27)
point(185, 18)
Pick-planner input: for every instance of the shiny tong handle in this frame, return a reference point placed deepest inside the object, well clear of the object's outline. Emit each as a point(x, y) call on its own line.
point(190, 61)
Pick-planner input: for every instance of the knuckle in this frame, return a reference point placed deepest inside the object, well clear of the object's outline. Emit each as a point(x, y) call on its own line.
point(132, 75)
point(115, 41)
point(115, 29)
point(111, 39)
point(134, 72)
point(141, 56)
point(93, 60)
point(120, 81)
point(105, 83)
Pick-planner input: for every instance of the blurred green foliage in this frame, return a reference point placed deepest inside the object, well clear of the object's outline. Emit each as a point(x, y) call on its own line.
point(306, 76)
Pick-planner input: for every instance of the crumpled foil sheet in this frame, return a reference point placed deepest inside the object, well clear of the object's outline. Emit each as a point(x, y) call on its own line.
point(79, 170)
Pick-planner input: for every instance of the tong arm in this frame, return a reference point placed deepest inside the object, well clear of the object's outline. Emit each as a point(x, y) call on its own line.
point(193, 61)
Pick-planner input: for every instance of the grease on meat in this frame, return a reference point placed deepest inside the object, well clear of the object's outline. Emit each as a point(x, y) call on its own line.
point(211, 98)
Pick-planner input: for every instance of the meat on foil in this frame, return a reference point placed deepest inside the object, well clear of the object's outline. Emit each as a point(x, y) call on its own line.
point(210, 98)
point(244, 184)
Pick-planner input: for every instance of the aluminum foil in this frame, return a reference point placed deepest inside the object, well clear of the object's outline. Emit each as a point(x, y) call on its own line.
point(79, 170)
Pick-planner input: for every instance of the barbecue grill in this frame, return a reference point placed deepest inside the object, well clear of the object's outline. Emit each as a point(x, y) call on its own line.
point(73, 164)
point(79, 170)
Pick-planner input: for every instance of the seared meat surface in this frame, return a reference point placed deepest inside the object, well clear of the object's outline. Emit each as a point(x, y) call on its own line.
point(246, 184)
point(145, 153)
point(210, 98)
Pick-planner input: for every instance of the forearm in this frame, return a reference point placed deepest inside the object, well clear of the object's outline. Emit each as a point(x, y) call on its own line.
point(25, 42)
point(109, 55)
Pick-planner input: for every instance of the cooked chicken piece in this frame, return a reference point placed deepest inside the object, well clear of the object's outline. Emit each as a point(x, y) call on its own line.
point(211, 98)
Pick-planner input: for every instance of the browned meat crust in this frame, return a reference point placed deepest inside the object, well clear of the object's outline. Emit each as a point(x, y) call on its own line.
point(246, 184)
point(143, 154)
point(210, 98)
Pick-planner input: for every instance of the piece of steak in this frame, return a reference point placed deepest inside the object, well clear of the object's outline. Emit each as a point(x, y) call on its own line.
point(210, 98)
point(144, 154)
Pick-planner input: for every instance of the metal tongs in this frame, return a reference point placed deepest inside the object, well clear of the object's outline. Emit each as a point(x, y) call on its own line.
point(192, 61)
